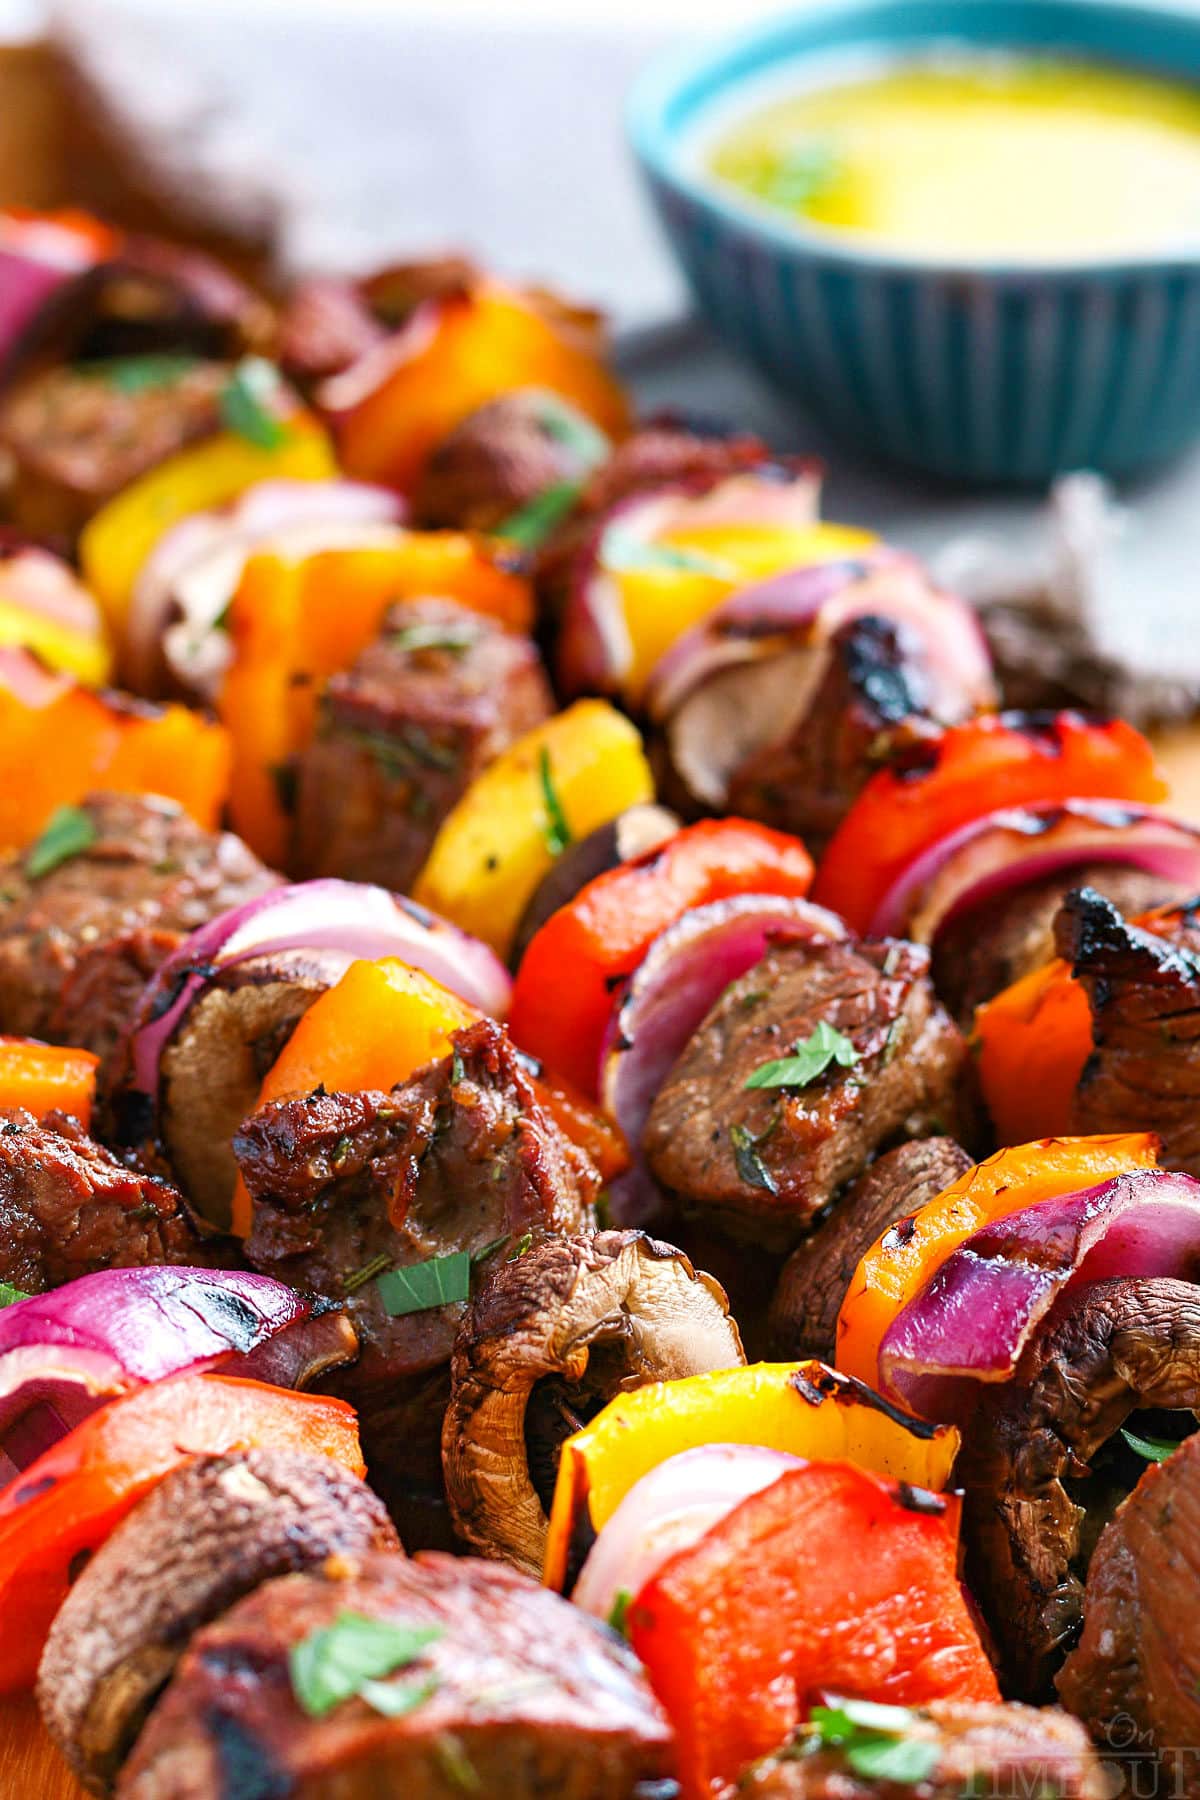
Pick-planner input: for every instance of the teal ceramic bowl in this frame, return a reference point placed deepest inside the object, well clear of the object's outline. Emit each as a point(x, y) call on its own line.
point(981, 373)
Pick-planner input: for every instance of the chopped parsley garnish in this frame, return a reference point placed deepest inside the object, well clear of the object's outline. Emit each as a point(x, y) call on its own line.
point(817, 1053)
point(1155, 1450)
point(249, 404)
point(141, 374)
point(357, 1278)
point(556, 829)
point(622, 550)
point(750, 1165)
point(573, 430)
point(441, 1281)
point(799, 175)
point(395, 1700)
point(874, 1740)
point(338, 1661)
point(427, 634)
point(68, 832)
point(10, 1295)
point(520, 1247)
point(531, 524)
point(618, 1612)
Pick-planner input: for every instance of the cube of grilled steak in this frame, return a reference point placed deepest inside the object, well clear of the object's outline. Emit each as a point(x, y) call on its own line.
point(517, 1695)
point(78, 943)
point(73, 436)
point(213, 1531)
point(986, 948)
point(871, 702)
point(503, 456)
point(1143, 988)
point(402, 733)
point(68, 1208)
point(347, 1186)
point(1134, 1676)
point(963, 1748)
point(769, 1159)
point(815, 1277)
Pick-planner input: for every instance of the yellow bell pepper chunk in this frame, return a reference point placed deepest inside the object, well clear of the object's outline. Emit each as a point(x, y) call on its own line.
point(116, 541)
point(664, 597)
point(580, 769)
point(84, 654)
point(805, 1409)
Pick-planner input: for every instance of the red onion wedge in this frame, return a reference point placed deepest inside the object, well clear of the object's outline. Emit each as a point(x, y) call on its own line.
point(1013, 847)
point(594, 650)
point(174, 628)
point(38, 256)
point(973, 1318)
point(816, 601)
point(339, 394)
point(65, 1353)
point(655, 1012)
point(345, 921)
point(670, 1509)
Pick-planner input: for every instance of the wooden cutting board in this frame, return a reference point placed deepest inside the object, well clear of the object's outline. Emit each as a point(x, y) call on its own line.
point(30, 1767)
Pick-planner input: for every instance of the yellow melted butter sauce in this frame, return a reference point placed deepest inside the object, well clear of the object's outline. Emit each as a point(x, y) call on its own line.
point(987, 156)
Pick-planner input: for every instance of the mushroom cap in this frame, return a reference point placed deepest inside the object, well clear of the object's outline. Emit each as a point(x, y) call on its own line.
point(1111, 1348)
point(632, 833)
point(597, 1314)
point(211, 1532)
point(212, 1070)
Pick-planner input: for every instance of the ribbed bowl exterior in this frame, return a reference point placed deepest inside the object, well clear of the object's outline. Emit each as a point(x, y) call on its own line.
point(1009, 375)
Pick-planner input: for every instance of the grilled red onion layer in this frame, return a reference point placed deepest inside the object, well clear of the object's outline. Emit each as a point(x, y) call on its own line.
point(655, 1012)
point(37, 257)
point(343, 921)
point(972, 1320)
point(192, 573)
point(64, 1353)
point(1010, 848)
point(670, 1509)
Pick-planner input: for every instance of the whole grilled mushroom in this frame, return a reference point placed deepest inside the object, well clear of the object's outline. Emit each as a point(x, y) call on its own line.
point(1044, 1464)
point(555, 1334)
point(205, 1536)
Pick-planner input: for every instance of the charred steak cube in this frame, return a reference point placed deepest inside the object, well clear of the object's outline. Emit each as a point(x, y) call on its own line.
point(1143, 987)
point(402, 733)
point(347, 1187)
point(510, 1691)
point(816, 1276)
point(963, 1749)
point(78, 943)
point(68, 1208)
point(766, 1159)
point(73, 436)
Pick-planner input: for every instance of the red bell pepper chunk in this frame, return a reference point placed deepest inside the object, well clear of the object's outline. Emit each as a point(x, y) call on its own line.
point(564, 989)
point(67, 1502)
point(832, 1579)
point(970, 770)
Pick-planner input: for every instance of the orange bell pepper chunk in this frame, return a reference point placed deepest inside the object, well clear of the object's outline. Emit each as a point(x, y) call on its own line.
point(830, 1580)
point(586, 1126)
point(375, 1027)
point(67, 1502)
point(44, 1078)
point(970, 770)
point(1032, 1041)
point(461, 352)
point(803, 1408)
point(59, 741)
point(605, 931)
point(295, 622)
point(901, 1262)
